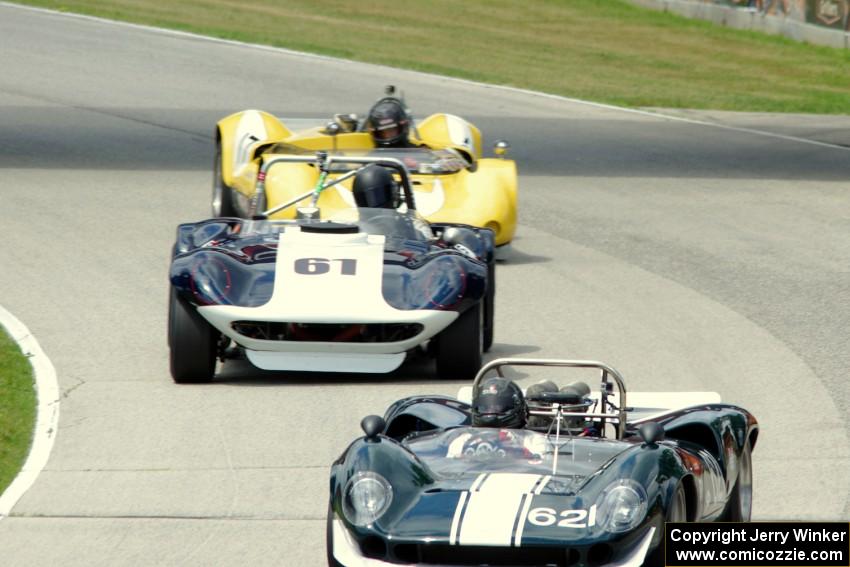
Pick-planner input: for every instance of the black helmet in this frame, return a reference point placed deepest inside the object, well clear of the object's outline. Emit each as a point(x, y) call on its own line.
point(375, 187)
point(498, 403)
point(388, 122)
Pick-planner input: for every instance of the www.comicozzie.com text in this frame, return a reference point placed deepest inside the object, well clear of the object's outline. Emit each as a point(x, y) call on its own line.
point(756, 534)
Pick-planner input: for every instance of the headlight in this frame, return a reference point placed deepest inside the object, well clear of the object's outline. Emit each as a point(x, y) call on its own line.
point(366, 497)
point(211, 280)
point(439, 284)
point(622, 506)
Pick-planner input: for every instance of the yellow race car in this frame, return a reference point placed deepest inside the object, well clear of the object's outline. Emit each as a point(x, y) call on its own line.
point(452, 180)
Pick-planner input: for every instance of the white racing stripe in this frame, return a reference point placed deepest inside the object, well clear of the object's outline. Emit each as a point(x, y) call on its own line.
point(502, 483)
point(458, 513)
point(526, 506)
point(429, 202)
point(250, 129)
point(488, 516)
point(477, 482)
point(543, 482)
point(459, 133)
point(339, 268)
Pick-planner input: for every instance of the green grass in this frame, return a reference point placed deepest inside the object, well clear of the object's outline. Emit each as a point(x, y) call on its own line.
point(603, 50)
point(17, 409)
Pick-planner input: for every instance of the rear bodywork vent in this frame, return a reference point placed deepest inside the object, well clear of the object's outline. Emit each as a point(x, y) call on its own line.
point(327, 332)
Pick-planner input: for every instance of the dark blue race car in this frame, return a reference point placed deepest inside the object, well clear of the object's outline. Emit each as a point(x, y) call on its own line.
point(588, 481)
point(349, 290)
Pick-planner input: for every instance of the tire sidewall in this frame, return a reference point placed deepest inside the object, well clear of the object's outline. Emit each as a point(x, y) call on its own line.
point(220, 190)
point(192, 342)
point(460, 345)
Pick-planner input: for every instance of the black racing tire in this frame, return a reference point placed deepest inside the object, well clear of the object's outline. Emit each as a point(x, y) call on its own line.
point(677, 511)
point(460, 345)
point(192, 342)
point(740, 505)
point(329, 539)
point(222, 195)
point(489, 306)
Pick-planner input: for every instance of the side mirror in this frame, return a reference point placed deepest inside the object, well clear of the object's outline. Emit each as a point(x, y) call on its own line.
point(372, 426)
point(346, 122)
point(501, 147)
point(332, 128)
point(651, 433)
point(452, 235)
point(462, 240)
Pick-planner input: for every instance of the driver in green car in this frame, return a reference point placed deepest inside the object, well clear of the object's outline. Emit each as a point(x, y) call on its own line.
point(499, 406)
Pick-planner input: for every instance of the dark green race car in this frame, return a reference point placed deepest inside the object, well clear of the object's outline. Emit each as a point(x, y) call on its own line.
point(589, 481)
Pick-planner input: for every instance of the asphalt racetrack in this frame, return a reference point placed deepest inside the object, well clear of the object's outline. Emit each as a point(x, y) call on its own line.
point(688, 257)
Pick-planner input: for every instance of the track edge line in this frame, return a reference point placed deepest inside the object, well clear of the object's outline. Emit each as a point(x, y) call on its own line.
point(507, 88)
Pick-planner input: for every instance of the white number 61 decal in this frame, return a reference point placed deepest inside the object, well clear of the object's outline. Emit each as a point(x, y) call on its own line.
point(569, 518)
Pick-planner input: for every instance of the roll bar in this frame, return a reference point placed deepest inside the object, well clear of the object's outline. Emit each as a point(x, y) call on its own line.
point(324, 161)
point(606, 386)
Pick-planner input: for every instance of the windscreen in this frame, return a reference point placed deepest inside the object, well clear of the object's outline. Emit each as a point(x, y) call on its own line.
point(474, 450)
point(421, 161)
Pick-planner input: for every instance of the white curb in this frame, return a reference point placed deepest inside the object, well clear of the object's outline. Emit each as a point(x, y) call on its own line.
point(47, 420)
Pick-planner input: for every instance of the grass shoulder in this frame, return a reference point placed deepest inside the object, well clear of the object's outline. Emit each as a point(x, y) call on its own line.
point(603, 50)
point(17, 409)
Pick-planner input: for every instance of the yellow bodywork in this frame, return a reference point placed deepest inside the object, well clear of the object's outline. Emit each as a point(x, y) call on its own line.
point(483, 195)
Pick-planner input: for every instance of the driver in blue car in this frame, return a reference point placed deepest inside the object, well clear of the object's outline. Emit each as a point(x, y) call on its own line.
point(498, 404)
point(375, 188)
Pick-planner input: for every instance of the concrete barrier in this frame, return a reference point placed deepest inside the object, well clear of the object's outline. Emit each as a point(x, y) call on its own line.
point(819, 22)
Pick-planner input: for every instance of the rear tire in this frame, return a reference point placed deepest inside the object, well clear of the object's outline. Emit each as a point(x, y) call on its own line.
point(460, 345)
point(222, 195)
point(192, 342)
point(740, 506)
point(489, 306)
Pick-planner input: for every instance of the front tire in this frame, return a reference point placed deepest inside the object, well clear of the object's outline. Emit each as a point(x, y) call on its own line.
point(740, 506)
point(460, 345)
point(192, 343)
point(222, 195)
point(329, 539)
point(677, 511)
point(489, 306)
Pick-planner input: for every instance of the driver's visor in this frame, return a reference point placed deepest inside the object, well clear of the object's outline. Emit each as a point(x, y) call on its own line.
point(387, 132)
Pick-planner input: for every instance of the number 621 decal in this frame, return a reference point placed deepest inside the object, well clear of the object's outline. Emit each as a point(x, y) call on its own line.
point(569, 518)
point(319, 266)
